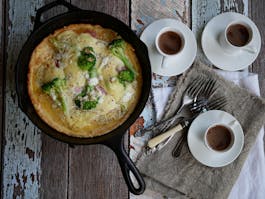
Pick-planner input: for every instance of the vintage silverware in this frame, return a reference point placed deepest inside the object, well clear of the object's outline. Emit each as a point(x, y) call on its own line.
point(200, 86)
point(191, 111)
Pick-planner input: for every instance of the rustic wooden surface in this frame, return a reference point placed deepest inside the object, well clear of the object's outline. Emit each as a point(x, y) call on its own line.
point(257, 8)
point(2, 52)
point(22, 146)
point(36, 166)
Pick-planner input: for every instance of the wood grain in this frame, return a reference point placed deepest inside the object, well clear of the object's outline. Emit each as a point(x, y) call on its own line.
point(2, 52)
point(54, 166)
point(22, 148)
point(202, 12)
point(94, 171)
point(257, 15)
point(54, 159)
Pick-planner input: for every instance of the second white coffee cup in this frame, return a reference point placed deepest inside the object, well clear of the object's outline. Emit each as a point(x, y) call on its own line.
point(230, 47)
point(169, 42)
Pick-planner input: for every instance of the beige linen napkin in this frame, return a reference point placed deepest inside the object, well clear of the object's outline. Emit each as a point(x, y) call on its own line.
point(184, 176)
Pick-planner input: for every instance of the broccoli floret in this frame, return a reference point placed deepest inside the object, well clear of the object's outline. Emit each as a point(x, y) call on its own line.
point(125, 76)
point(55, 83)
point(78, 103)
point(54, 89)
point(87, 50)
point(86, 89)
point(93, 72)
point(87, 105)
point(81, 103)
point(117, 48)
point(87, 59)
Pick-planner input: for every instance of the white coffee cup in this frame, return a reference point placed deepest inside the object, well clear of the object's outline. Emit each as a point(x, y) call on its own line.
point(210, 146)
point(233, 49)
point(160, 50)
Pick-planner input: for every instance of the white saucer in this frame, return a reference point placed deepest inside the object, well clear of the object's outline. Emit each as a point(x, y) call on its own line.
point(196, 139)
point(216, 54)
point(172, 65)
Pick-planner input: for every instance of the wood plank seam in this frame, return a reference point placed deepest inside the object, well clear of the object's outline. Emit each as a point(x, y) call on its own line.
point(68, 172)
point(3, 54)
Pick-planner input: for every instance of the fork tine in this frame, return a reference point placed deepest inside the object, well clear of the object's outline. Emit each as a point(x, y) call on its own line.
point(192, 85)
point(218, 103)
point(198, 105)
point(196, 88)
point(210, 87)
point(202, 87)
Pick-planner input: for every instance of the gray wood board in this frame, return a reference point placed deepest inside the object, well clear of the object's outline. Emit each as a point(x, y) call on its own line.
point(22, 148)
point(257, 9)
point(2, 52)
point(94, 171)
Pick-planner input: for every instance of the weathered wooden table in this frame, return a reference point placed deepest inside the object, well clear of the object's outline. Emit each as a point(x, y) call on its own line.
point(37, 166)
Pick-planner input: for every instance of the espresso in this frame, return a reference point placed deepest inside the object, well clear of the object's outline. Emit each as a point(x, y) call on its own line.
point(170, 42)
point(219, 137)
point(238, 35)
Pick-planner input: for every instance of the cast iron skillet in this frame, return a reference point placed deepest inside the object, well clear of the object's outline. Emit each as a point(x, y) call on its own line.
point(114, 139)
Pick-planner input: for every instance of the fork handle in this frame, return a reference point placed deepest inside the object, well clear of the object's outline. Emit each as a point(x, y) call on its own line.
point(177, 150)
point(162, 137)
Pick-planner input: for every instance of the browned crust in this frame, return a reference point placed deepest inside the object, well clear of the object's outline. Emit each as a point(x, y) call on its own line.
point(43, 104)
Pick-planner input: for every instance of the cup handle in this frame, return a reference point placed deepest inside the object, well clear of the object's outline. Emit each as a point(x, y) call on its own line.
point(232, 123)
point(250, 49)
point(162, 65)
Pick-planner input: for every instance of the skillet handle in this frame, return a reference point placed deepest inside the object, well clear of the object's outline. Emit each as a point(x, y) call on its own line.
point(40, 11)
point(127, 166)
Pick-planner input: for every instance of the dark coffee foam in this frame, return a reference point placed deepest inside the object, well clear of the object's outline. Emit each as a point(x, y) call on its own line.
point(170, 42)
point(219, 137)
point(238, 35)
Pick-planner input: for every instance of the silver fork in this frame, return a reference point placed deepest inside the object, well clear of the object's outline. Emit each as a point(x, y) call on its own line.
point(216, 104)
point(198, 86)
point(192, 91)
point(192, 110)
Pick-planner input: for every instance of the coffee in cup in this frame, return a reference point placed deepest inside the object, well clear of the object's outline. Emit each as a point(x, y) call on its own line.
point(169, 42)
point(237, 36)
point(219, 137)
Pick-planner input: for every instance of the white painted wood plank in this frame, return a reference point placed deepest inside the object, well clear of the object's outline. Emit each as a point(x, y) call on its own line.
point(202, 12)
point(22, 149)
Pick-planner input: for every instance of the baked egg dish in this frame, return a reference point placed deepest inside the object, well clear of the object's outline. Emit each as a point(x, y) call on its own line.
point(84, 80)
